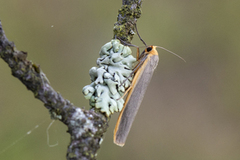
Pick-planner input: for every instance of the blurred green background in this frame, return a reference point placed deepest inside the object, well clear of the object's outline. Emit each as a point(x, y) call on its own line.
point(191, 110)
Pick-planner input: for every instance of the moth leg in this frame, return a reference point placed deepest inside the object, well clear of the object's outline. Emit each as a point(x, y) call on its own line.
point(129, 88)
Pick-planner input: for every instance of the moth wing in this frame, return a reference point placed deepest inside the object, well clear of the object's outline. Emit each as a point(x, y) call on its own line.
point(133, 101)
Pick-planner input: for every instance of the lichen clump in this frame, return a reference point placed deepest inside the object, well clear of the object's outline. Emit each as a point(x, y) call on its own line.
point(111, 78)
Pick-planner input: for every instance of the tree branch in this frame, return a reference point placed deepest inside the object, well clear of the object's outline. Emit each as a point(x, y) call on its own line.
point(124, 28)
point(86, 127)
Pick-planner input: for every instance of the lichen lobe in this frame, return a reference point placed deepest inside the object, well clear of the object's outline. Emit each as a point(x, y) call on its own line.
point(109, 78)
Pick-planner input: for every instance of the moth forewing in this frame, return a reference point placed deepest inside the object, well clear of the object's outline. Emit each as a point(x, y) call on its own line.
point(133, 101)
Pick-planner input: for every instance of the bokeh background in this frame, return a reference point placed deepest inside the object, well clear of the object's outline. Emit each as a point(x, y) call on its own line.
point(190, 111)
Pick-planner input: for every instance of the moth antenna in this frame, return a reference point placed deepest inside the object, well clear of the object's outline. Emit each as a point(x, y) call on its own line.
point(139, 35)
point(171, 53)
point(125, 43)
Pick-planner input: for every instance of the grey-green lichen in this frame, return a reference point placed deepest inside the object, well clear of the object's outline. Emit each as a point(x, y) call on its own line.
point(55, 114)
point(111, 78)
point(79, 127)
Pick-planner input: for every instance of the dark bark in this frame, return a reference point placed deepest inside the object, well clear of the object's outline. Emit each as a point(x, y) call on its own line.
point(86, 127)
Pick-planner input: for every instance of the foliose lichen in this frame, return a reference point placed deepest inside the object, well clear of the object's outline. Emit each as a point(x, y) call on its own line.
point(111, 78)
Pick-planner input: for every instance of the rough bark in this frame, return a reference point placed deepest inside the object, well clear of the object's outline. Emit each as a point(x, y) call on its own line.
point(124, 28)
point(86, 127)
